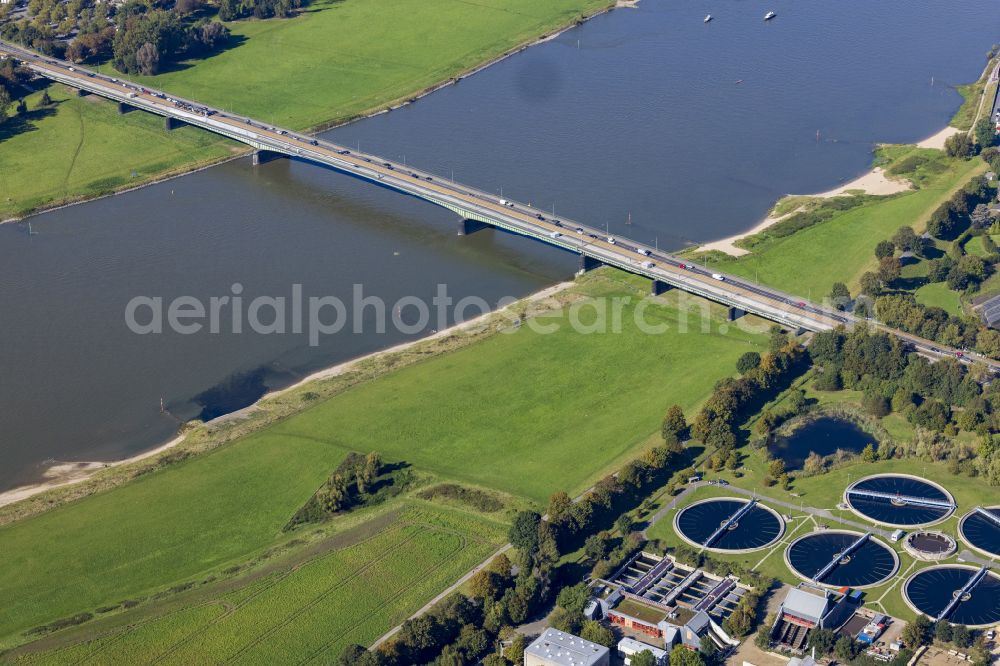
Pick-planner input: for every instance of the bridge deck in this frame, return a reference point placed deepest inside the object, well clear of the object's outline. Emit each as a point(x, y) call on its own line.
point(478, 205)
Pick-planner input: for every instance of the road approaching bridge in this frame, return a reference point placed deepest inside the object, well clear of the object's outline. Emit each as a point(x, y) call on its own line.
point(476, 207)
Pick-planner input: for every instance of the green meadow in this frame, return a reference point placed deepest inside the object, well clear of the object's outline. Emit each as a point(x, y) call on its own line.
point(527, 413)
point(311, 611)
point(81, 147)
point(337, 60)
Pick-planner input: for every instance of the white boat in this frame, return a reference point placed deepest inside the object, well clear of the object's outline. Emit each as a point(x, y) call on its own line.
point(708, 18)
point(768, 16)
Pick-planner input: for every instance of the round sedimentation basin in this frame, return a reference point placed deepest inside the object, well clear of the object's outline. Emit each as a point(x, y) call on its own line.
point(930, 590)
point(899, 500)
point(870, 563)
point(757, 528)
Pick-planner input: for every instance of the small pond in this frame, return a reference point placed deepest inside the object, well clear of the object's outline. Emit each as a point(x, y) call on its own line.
point(823, 436)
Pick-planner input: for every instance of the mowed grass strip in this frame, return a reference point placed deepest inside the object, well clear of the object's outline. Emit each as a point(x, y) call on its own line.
point(157, 530)
point(353, 594)
point(81, 146)
point(529, 413)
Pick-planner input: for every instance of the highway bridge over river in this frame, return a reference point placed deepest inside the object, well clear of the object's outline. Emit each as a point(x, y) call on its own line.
point(475, 208)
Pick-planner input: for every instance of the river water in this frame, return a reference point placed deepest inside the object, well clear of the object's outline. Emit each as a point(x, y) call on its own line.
point(634, 120)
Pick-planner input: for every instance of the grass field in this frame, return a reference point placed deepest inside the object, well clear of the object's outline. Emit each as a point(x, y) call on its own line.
point(82, 147)
point(506, 413)
point(343, 58)
point(339, 59)
point(975, 245)
point(161, 529)
point(938, 294)
point(519, 406)
point(350, 595)
point(842, 248)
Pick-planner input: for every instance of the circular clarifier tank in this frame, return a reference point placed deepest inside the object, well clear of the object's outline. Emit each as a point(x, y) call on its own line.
point(924, 545)
point(981, 529)
point(899, 500)
point(930, 591)
point(729, 524)
point(840, 558)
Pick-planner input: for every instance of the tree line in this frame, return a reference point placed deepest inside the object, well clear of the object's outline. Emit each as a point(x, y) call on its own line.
point(939, 399)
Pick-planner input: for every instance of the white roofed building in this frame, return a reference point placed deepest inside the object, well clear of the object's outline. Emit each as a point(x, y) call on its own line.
point(627, 647)
point(557, 648)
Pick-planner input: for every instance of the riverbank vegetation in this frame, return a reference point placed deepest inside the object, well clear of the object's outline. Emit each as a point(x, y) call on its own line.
point(415, 48)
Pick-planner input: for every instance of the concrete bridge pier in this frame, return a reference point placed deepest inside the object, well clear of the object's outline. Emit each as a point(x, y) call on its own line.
point(170, 123)
point(588, 264)
point(124, 108)
point(658, 287)
point(735, 313)
point(80, 92)
point(466, 227)
point(258, 157)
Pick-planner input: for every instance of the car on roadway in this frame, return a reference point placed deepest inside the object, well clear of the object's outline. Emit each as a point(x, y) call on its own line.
point(313, 142)
point(539, 216)
point(959, 354)
point(555, 234)
point(648, 264)
point(644, 252)
point(800, 304)
point(719, 276)
point(611, 240)
point(557, 223)
point(681, 265)
point(723, 482)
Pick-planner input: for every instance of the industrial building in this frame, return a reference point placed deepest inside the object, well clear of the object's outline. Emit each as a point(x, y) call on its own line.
point(809, 607)
point(557, 648)
point(667, 603)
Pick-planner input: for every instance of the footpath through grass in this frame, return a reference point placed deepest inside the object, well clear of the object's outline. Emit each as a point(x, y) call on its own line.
point(338, 60)
point(526, 413)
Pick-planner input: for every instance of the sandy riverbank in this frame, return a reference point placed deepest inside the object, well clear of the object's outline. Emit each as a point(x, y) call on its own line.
point(937, 139)
point(69, 473)
point(874, 182)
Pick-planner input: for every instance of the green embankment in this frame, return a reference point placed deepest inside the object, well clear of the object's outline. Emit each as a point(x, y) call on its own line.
point(337, 60)
point(528, 413)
